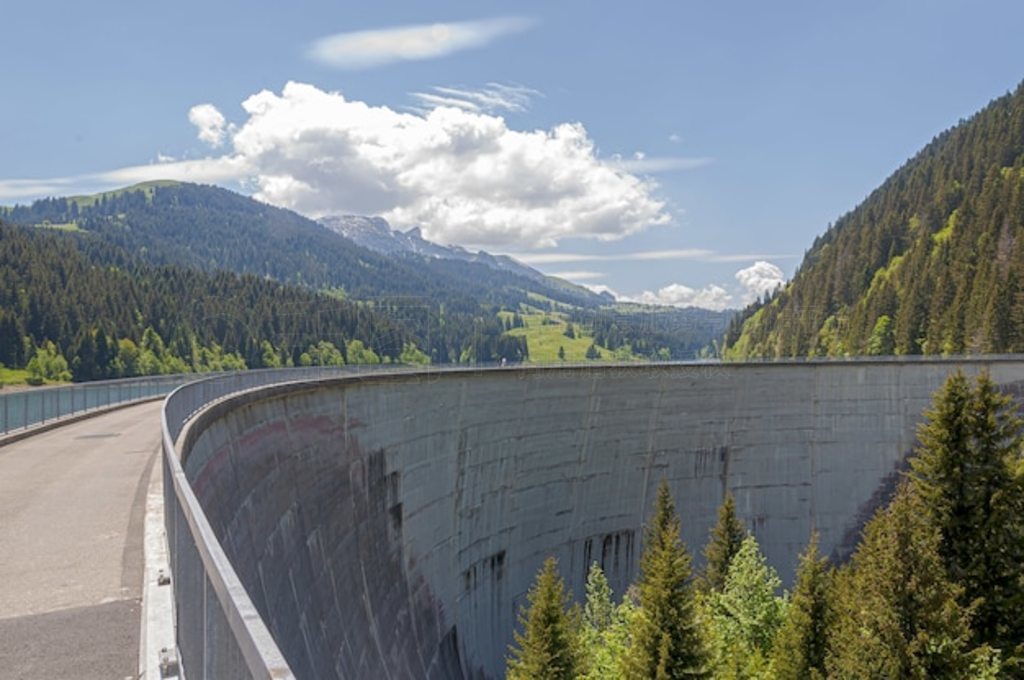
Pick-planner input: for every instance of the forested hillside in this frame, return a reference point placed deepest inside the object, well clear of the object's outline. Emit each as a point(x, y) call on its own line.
point(215, 229)
point(109, 315)
point(203, 267)
point(932, 262)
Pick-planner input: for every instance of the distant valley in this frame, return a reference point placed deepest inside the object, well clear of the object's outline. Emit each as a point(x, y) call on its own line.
point(168, 276)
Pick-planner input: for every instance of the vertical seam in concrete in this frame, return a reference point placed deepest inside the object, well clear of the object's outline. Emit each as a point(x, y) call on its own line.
point(367, 602)
point(652, 421)
point(581, 465)
point(374, 631)
point(409, 590)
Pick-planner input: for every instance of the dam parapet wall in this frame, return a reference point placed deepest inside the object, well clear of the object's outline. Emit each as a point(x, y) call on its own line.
point(391, 525)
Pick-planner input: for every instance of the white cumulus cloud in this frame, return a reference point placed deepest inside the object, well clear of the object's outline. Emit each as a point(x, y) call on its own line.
point(220, 170)
point(210, 122)
point(677, 295)
point(464, 177)
point(366, 49)
point(641, 163)
point(759, 278)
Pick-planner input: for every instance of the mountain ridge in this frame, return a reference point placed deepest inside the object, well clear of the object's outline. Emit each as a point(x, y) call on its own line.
point(243, 235)
point(451, 307)
point(931, 262)
point(375, 233)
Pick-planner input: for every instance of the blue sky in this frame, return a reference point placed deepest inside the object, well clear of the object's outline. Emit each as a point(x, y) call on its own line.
point(659, 147)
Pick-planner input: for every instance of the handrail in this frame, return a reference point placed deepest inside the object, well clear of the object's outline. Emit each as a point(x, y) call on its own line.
point(27, 408)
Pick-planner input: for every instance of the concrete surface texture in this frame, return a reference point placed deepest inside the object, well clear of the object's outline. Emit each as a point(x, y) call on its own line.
point(72, 503)
point(391, 527)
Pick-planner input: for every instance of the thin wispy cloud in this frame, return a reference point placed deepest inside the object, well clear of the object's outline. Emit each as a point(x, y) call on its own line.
point(429, 100)
point(657, 164)
point(368, 49)
point(492, 98)
point(224, 169)
point(578, 276)
point(14, 189)
point(693, 254)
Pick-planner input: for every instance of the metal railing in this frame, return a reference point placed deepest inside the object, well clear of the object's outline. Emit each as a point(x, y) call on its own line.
point(23, 409)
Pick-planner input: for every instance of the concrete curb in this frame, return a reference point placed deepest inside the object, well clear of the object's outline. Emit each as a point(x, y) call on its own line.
point(157, 620)
point(17, 436)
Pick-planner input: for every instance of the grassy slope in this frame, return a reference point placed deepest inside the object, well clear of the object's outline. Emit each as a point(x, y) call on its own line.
point(86, 201)
point(13, 376)
point(147, 187)
point(63, 226)
point(544, 339)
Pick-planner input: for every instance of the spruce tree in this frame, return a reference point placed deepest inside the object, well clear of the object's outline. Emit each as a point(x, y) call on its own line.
point(748, 602)
point(546, 649)
point(898, 614)
point(605, 631)
point(667, 640)
point(746, 615)
point(599, 608)
point(799, 652)
point(965, 471)
point(726, 538)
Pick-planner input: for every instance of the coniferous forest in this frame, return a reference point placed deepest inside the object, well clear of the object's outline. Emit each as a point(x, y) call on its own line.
point(933, 590)
point(932, 262)
point(168, 277)
point(108, 315)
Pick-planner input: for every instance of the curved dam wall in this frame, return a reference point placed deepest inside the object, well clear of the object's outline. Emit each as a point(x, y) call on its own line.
point(390, 526)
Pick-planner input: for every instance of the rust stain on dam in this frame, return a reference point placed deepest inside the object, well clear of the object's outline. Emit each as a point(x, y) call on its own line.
point(390, 526)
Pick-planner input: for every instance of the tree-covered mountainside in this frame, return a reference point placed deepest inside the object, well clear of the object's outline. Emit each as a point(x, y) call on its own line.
point(215, 229)
point(932, 262)
point(451, 309)
point(109, 315)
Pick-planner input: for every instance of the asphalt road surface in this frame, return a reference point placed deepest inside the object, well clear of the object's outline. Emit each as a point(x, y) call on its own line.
point(72, 504)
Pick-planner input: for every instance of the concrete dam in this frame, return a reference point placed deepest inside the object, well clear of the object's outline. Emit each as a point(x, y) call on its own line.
point(389, 526)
